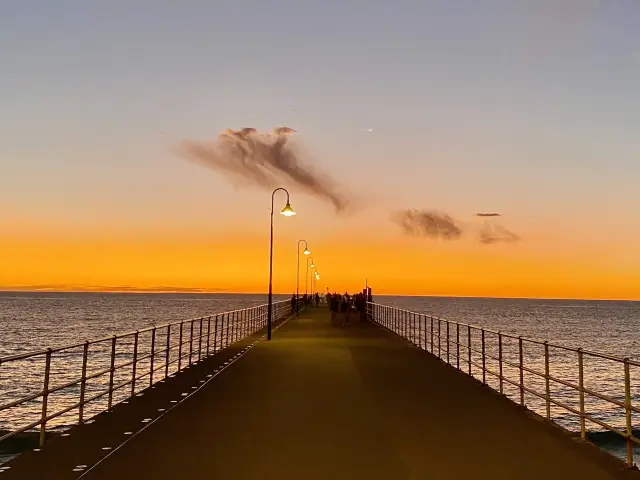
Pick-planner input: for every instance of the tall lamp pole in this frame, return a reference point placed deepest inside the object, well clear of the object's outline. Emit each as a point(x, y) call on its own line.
point(306, 252)
point(287, 211)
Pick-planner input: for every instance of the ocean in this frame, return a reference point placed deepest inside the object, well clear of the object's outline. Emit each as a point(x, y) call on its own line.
point(34, 321)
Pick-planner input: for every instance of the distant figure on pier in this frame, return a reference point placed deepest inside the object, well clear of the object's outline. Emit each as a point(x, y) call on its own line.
point(344, 309)
point(317, 299)
point(294, 303)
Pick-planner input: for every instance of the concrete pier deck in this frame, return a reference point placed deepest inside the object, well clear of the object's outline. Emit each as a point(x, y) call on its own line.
point(323, 402)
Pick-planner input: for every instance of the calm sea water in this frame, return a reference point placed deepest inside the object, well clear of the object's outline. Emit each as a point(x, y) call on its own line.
point(33, 321)
point(602, 326)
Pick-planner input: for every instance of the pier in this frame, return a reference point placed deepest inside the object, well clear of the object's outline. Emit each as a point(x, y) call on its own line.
point(321, 401)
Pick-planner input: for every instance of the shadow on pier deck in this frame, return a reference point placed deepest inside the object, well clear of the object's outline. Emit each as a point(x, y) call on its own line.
point(321, 402)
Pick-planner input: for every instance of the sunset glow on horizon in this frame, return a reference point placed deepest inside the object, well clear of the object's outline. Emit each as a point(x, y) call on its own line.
point(434, 107)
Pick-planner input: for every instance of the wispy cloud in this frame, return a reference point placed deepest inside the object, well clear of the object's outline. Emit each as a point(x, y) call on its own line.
point(267, 160)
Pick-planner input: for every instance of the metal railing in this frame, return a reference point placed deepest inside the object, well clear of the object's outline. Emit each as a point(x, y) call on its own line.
point(507, 359)
point(124, 364)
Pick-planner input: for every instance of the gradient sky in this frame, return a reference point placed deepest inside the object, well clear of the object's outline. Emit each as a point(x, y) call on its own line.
point(526, 107)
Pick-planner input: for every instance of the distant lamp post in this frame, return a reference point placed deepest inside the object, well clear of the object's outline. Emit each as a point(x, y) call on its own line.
point(287, 211)
point(306, 252)
point(306, 276)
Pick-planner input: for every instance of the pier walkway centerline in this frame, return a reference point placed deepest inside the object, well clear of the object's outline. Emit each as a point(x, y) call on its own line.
point(324, 402)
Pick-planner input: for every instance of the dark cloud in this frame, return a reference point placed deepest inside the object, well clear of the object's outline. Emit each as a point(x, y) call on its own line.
point(427, 223)
point(265, 160)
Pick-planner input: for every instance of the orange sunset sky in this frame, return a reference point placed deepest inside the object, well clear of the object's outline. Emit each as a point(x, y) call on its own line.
point(532, 112)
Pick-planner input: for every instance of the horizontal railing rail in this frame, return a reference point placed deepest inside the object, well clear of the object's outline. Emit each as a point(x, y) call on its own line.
point(466, 346)
point(121, 364)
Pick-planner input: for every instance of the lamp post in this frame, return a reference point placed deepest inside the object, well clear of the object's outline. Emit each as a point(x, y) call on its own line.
point(306, 277)
point(313, 283)
point(287, 211)
point(306, 252)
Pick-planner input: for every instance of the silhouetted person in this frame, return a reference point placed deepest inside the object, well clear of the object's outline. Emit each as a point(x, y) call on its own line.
point(317, 299)
point(294, 303)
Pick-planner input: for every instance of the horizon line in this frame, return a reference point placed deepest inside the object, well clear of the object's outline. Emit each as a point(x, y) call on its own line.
point(221, 291)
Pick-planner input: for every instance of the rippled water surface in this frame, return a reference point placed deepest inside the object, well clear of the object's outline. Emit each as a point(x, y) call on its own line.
point(611, 328)
point(34, 321)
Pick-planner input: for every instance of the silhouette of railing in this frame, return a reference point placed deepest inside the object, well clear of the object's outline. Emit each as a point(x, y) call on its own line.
point(48, 386)
point(465, 346)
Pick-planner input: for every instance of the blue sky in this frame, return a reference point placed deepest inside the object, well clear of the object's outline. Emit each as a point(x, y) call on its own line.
point(528, 107)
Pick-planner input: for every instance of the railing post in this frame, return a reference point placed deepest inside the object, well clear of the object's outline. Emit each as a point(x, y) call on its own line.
point(112, 370)
point(180, 346)
point(458, 345)
point(200, 341)
point(405, 324)
point(413, 328)
point(627, 410)
point(407, 333)
point(546, 380)
point(447, 322)
point(83, 381)
point(439, 338)
point(245, 322)
point(134, 363)
point(583, 429)
point(153, 355)
point(45, 397)
point(215, 335)
point(224, 332)
point(232, 324)
point(484, 360)
point(500, 362)
point(469, 346)
point(420, 331)
point(208, 333)
point(167, 354)
point(190, 342)
point(432, 349)
point(521, 357)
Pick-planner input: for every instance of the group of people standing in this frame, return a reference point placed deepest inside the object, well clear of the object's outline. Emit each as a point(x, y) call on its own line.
point(307, 300)
point(345, 307)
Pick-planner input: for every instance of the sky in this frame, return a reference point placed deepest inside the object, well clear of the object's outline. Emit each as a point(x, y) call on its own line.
point(529, 108)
